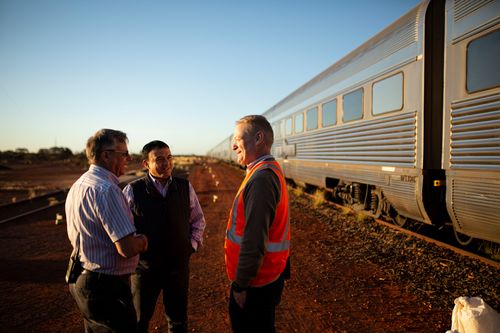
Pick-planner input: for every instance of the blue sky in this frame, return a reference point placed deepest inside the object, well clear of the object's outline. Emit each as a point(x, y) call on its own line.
point(179, 71)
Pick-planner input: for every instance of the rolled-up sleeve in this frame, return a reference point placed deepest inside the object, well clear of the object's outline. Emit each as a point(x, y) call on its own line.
point(196, 218)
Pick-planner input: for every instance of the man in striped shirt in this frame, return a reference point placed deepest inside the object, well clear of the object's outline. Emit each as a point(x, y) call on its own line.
point(167, 211)
point(101, 229)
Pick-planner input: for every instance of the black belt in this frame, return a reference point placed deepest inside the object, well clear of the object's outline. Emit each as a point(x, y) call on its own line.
point(102, 276)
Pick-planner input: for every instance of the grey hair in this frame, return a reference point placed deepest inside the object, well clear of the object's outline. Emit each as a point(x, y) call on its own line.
point(103, 139)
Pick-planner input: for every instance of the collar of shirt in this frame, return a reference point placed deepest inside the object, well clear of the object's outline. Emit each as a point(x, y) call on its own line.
point(162, 189)
point(262, 158)
point(104, 173)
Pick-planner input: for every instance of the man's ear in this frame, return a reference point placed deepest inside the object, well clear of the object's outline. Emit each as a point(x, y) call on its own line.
point(104, 156)
point(259, 137)
point(145, 164)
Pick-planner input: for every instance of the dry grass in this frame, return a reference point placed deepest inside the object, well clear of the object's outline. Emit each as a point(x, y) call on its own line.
point(491, 249)
point(31, 193)
point(361, 217)
point(296, 190)
point(345, 210)
point(318, 198)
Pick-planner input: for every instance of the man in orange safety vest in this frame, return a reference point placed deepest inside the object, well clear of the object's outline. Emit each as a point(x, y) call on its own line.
point(257, 243)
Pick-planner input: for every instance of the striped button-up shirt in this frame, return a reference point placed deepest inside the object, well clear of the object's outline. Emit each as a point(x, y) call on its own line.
point(98, 216)
point(196, 218)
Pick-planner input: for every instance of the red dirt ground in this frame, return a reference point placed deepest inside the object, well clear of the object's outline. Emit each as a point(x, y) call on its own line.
point(325, 294)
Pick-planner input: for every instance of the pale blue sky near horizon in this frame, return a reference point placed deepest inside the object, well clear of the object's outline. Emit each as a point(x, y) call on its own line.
point(178, 71)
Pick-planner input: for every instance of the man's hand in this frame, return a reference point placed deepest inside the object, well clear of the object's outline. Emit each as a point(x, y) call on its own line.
point(240, 298)
point(144, 239)
point(131, 245)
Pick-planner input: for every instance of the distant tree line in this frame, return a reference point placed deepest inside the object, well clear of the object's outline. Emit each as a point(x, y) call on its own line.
point(44, 154)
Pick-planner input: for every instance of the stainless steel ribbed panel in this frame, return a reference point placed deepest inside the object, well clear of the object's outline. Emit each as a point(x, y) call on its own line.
point(398, 43)
point(473, 168)
point(384, 141)
point(276, 149)
point(467, 17)
point(475, 134)
point(471, 146)
point(475, 203)
point(356, 153)
point(463, 8)
point(363, 151)
point(315, 173)
point(402, 196)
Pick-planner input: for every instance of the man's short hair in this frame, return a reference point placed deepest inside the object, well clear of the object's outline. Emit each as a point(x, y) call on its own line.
point(258, 123)
point(156, 144)
point(103, 139)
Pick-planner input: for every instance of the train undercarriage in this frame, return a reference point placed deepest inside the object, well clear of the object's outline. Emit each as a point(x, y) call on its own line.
point(370, 200)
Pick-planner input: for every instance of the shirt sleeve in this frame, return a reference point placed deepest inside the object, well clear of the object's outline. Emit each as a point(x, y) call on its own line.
point(128, 192)
point(261, 197)
point(115, 213)
point(196, 218)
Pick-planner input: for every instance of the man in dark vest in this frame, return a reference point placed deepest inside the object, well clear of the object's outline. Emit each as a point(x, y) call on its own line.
point(166, 210)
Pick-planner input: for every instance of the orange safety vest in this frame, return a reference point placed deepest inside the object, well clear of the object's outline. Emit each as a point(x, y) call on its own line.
point(278, 243)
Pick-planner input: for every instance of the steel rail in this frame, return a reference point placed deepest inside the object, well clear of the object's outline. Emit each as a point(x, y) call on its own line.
point(490, 262)
point(30, 212)
point(131, 176)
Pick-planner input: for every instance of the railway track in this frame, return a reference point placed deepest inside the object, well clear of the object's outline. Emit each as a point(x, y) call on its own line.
point(429, 234)
point(20, 209)
point(15, 211)
point(441, 243)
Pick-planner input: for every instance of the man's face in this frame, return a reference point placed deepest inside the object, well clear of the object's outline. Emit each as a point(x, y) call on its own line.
point(116, 159)
point(244, 145)
point(160, 163)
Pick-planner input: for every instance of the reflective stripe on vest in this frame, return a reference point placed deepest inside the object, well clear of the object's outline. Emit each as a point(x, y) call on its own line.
point(278, 243)
point(231, 233)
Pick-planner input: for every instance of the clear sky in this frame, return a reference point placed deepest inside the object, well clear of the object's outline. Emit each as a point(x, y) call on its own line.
point(179, 71)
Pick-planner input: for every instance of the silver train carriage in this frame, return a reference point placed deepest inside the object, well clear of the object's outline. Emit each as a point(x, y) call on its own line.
point(223, 150)
point(408, 124)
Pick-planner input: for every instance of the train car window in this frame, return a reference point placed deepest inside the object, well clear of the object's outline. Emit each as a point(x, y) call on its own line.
point(329, 113)
point(312, 118)
point(483, 69)
point(299, 123)
point(288, 126)
point(388, 94)
point(353, 105)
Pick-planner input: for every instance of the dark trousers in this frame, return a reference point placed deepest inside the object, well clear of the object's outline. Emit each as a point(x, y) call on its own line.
point(146, 286)
point(105, 302)
point(258, 313)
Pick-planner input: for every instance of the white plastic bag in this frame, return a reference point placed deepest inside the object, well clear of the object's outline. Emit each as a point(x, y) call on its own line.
point(473, 315)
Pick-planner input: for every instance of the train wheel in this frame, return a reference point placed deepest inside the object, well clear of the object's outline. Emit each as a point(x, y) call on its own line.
point(462, 239)
point(400, 220)
point(376, 203)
